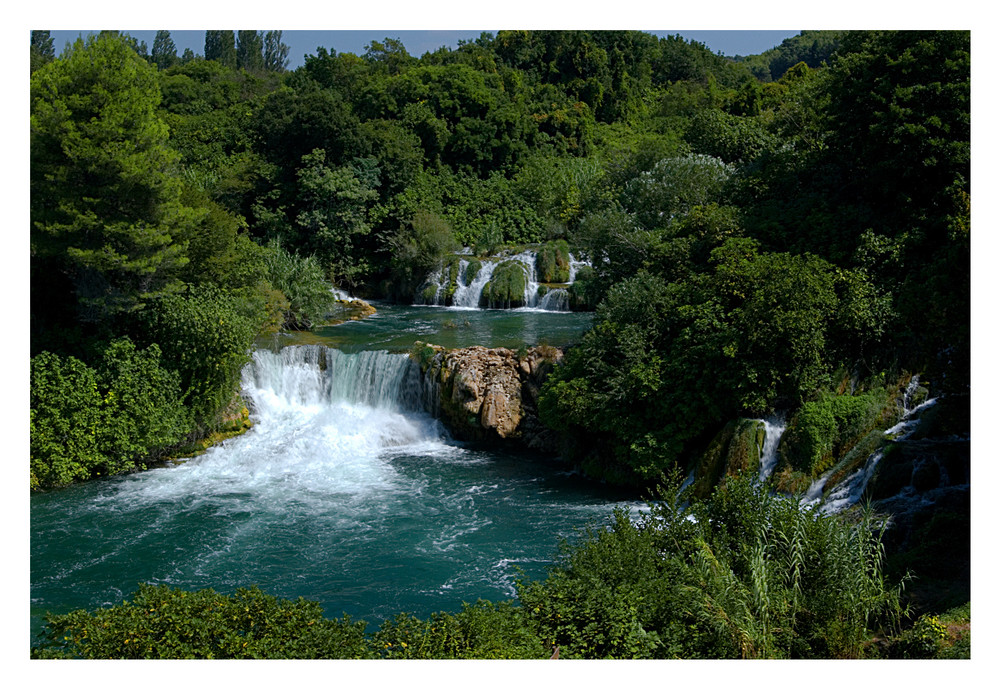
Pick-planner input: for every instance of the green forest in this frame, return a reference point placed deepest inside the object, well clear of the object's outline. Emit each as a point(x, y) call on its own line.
point(787, 231)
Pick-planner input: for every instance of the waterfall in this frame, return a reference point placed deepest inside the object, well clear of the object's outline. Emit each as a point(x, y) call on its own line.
point(848, 491)
point(769, 452)
point(312, 375)
point(574, 267)
point(436, 280)
point(555, 300)
point(467, 296)
point(468, 293)
point(527, 259)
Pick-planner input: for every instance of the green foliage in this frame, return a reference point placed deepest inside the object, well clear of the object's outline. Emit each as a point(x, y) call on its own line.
point(142, 404)
point(744, 574)
point(673, 186)
point(42, 49)
point(205, 335)
point(823, 430)
point(87, 423)
point(633, 393)
point(105, 206)
point(552, 262)
point(485, 631)
point(302, 281)
point(333, 215)
point(162, 622)
point(65, 418)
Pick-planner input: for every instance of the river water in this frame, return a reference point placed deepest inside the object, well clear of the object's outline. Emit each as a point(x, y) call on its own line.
point(344, 492)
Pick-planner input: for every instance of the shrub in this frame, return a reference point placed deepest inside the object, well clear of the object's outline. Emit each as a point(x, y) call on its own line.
point(205, 334)
point(143, 412)
point(484, 630)
point(742, 574)
point(87, 423)
point(302, 281)
point(163, 622)
point(65, 419)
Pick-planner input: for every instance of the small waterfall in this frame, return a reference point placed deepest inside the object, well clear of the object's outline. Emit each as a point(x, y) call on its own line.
point(468, 293)
point(527, 259)
point(850, 490)
point(555, 300)
point(814, 494)
point(769, 452)
point(467, 296)
point(436, 280)
point(574, 267)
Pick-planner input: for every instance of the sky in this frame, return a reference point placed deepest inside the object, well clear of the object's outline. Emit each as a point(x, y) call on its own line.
point(417, 42)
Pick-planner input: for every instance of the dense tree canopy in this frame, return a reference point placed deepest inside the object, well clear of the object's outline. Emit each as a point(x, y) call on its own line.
point(783, 231)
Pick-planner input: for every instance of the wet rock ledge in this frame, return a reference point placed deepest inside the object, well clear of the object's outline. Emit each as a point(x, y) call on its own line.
point(489, 394)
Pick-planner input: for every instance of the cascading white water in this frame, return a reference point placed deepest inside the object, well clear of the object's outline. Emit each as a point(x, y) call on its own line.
point(436, 279)
point(574, 267)
point(468, 293)
point(848, 491)
point(527, 259)
point(555, 300)
point(769, 452)
point(467, 296)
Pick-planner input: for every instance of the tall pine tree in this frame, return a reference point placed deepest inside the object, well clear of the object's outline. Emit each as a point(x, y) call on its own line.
point(107, 219)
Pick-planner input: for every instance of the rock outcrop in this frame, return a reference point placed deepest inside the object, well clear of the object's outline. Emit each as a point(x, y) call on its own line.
point(489, 394)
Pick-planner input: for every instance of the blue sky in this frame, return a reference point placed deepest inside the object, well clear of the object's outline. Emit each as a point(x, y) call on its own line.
point(417, 42)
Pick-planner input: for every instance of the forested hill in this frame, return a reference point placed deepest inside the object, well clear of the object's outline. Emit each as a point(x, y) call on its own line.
point(784, 221)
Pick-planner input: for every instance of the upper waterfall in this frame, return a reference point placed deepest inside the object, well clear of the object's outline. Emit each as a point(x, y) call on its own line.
point(502, 281)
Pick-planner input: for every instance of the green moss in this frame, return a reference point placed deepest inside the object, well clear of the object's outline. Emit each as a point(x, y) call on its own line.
point(506, 286)
point(828, 428)
point(807, 444)
point(712, 463)
point(583, 293)
point(472, 270)
point(552, 262)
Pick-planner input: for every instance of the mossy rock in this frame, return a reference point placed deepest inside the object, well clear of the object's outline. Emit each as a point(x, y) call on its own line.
point(807, 443)
point(746, 446)
point(711, 464)
point(552, 262)
point(583, 293)
point(429, 294)
point(472, 270)
point(506, 286)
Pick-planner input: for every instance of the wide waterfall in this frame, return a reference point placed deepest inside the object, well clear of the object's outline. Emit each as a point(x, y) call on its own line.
point(343, 492)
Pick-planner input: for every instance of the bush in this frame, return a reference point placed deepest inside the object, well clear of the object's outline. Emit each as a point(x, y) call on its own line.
point(143, 412)
point(484, 631)
point(65, 419)
point(743, 574)
point(302, 281)
point(163, 622)
point(205, 334)
point(87, 423)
